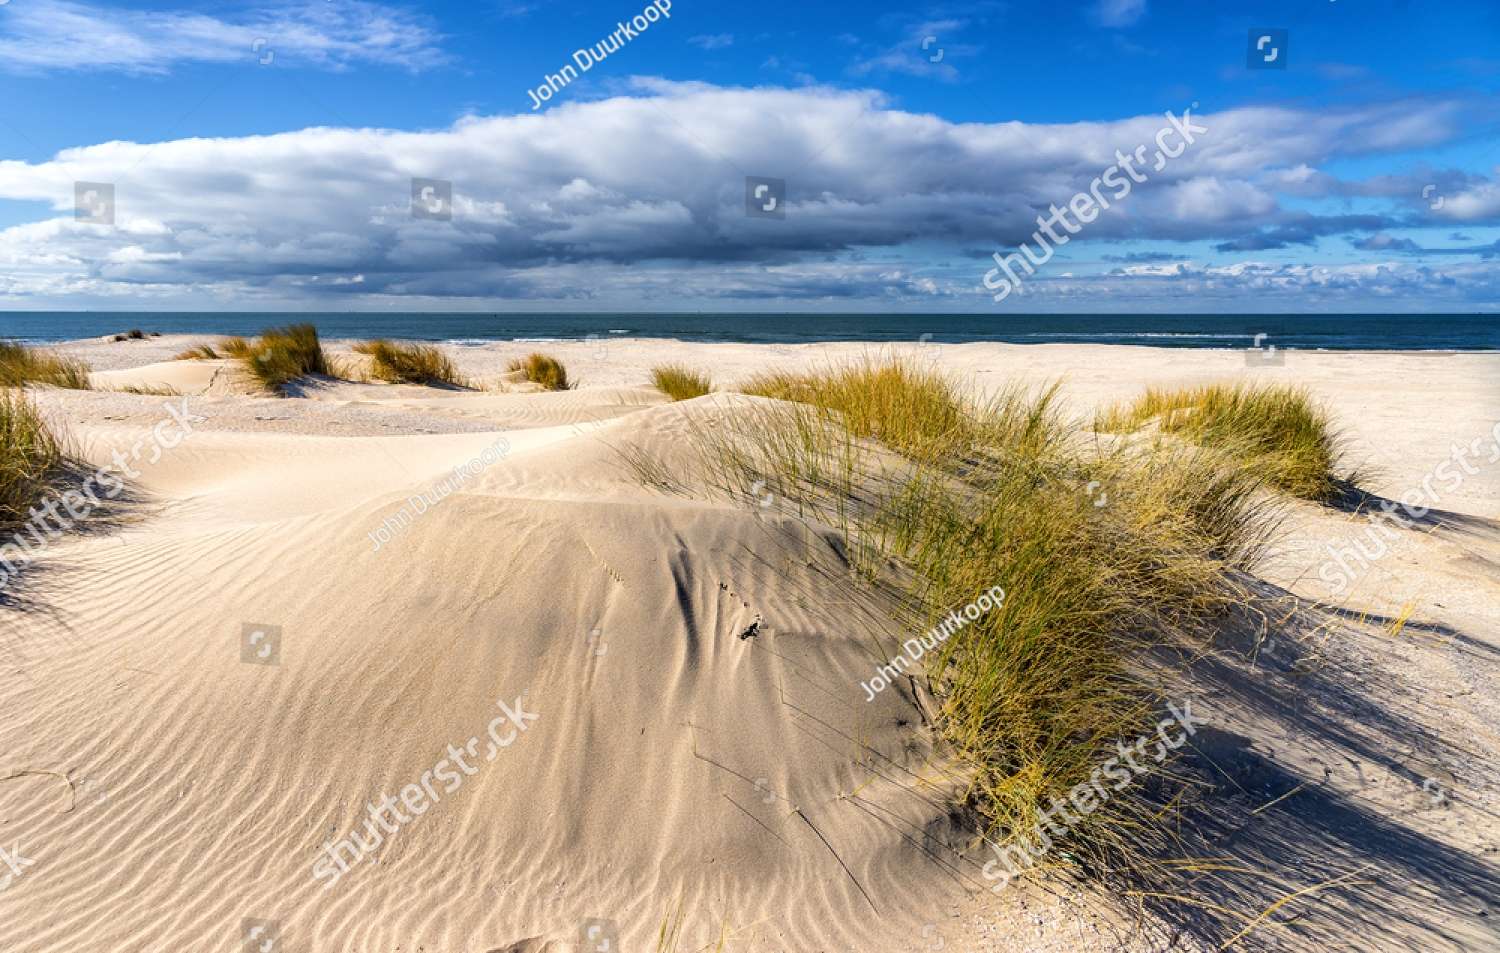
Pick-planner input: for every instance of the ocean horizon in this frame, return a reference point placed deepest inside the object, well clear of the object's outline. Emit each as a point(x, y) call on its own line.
point(1354, 332)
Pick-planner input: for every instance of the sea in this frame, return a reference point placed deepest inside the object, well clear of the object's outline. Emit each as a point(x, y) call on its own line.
point(1355, 332)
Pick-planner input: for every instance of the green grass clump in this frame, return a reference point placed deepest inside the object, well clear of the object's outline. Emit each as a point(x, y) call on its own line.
point(200, 352)
point(410, 363)
point(30, 455)
point(281, 355)
point(680, 382)
point(21, 365)
point(1276, 430)
point(964, 495)
point(542, 369)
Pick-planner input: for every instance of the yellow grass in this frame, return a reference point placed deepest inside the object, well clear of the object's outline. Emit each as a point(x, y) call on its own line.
point(1277, 430)
point(410, 363)
point(680, 382)
point(542, 369)
point(966, 495)
point(236, 346)
point(29, 455)
point(281, 355)
point(21, 365)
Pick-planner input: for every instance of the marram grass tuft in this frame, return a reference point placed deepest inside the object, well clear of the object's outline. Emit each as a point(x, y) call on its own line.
point(1106, 551)
point(1279, 431)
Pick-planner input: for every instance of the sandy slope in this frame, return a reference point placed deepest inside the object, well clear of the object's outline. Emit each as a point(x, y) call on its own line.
point(166, 790)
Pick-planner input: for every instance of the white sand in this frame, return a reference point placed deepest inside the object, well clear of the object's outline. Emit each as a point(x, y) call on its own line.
point(166, 790)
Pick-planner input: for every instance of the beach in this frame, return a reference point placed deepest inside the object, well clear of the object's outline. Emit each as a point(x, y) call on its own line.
point(400, 667)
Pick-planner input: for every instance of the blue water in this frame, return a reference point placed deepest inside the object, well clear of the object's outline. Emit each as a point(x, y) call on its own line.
point(1445, 332)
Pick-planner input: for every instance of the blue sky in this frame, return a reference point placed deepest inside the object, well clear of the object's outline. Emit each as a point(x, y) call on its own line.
point(261, 155)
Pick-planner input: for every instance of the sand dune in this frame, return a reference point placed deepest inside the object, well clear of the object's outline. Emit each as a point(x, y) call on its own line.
point(183, 377)
point(167, 789)
point(671, 757)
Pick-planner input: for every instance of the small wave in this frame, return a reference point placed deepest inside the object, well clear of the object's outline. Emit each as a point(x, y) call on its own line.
point(1111, 335)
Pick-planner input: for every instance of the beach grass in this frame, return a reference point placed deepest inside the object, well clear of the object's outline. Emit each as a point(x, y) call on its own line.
point(914, 410)
point(1277, 430)
point(969, 494)
point(30, 454)
point(542, 369)
point(21, 365)
point(281, 355)
point(236, 347)
point(397, 362)
point(199, 352)
point(680, 382)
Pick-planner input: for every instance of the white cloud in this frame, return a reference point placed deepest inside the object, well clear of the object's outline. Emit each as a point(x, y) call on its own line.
point(1479, 201)
point(542, 213)
point(907, 60)
point(1120, 13)
point(1265, 286)
point(928, 51)
point(45, 36)
point(715, 41)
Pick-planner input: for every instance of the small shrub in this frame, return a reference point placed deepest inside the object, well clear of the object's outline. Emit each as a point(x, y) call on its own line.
point(21, 365)
point(679, 382)
point(542, 369)
point(1276, 431)
point(410, 363)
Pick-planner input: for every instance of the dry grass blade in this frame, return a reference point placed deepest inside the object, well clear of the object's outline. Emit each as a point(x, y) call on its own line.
point(1258, 919)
